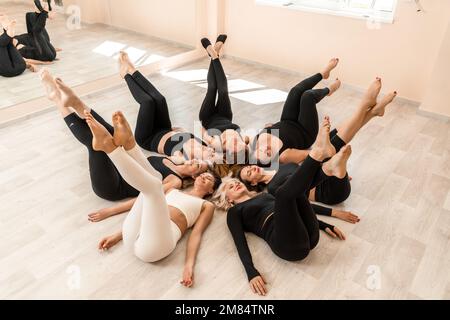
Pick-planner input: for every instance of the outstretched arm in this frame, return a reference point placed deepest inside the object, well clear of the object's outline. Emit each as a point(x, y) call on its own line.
point(111, 211)
point(293, 156)
point(194, 242)
point(235, 224)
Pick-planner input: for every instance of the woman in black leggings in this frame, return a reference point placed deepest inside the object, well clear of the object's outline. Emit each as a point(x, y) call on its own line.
point(331, 191)
point(285, 221)
point(35, 44)
point(106, 181)
point(299, 124)
point(12, 63)
point(217, 117)
point(154, 130)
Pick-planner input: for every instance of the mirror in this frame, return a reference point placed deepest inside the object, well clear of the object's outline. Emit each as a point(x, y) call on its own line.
point(88, 36)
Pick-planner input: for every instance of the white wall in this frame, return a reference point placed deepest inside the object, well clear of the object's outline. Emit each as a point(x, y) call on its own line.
point(402, 53)
point(437, 98)
point(173, 20)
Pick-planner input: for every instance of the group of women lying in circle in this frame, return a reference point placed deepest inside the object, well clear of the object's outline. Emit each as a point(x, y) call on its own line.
point(313, 167)
point(25, 51)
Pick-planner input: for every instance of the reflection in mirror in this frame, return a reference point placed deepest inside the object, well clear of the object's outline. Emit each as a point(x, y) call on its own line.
point(76, 40)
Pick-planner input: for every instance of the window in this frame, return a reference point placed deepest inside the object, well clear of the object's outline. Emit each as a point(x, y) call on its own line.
point(379, 10)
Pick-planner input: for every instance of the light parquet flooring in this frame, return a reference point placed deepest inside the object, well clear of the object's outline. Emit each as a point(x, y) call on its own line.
point(401, 182)
point(77, 63)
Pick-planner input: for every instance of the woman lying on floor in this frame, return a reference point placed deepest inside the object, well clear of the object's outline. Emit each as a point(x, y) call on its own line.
point(217, 117)
point(106, 180)
point(299, 123)
point(12, 64)
point(158, 219)
point(332, 191)
point(154, 131)
point(35, 44)
point(286, 220)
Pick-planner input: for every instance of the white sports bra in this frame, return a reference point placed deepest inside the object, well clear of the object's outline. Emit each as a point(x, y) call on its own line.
point(190, 206)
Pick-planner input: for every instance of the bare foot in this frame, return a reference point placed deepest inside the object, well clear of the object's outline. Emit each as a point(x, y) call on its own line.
point(380, 109)
point(123, 136)
point(334, 86)
point(70, 99)
point(371, 95)
point(331, 65)
point(4, 20)
point(102, 140)
point(49, 83)
point(99, 215)
point(323, 149)
point(337, 166)
point(125, 64)
point(11, 28)
point(212, 52)
point(219, 44)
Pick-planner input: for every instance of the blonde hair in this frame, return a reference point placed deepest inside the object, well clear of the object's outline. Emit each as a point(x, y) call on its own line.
point(220, 196)
point(219, 199)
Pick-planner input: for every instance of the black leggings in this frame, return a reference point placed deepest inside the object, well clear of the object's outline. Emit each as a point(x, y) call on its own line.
point(11, 62)
point(333, 190)
point(106, 180)
point(301, 107)
point(295, 228)
point(36, 41)
point(153, 117)
point(217, 115)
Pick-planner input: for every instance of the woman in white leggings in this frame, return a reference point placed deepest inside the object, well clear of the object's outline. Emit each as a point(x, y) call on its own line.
point(157, 221)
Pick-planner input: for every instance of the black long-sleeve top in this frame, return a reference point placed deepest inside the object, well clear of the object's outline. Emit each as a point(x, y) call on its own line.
point(253, 216)
point(284, 173)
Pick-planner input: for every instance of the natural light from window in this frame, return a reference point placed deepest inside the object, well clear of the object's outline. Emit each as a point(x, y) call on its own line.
point(238, 88)
point(237, 85)
point(261, 97)
point(379, 10)
point(138, 56)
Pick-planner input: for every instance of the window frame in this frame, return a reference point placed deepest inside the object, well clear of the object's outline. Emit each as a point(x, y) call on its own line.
point(387, 17)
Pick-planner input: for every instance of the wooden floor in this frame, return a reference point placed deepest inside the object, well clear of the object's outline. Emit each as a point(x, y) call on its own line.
point(77, 63)
point(401, 183)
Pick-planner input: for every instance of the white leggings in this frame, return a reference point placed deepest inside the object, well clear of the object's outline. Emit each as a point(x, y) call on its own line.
point(147, 230)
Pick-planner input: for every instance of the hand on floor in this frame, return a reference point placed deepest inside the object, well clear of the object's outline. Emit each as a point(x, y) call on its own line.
point(108, 242)
point(188, 277)
point(335, 233)
point(258, 285)
point(98, 215)
point(346, 216)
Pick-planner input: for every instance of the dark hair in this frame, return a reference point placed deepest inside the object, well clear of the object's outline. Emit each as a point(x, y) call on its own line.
point(217, 180)
point(258, 188)
point(235, 156)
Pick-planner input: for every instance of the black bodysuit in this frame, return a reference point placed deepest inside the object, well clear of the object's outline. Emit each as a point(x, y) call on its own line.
point(36, 40)
point(331, 191)
point(299, 123)
point(158, 164)
point(153, 121)
point(12, 63)
point(285, 221)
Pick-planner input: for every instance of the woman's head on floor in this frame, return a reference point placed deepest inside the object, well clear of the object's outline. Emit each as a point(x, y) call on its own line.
point(195, 167)
point(207, 183)
point(231, 192)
